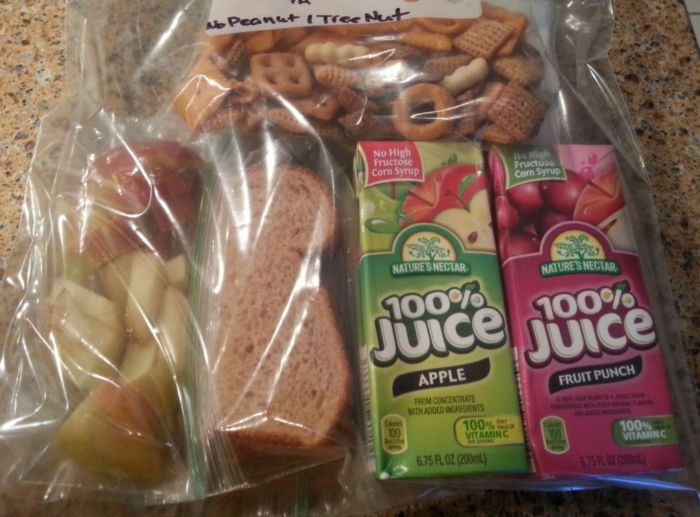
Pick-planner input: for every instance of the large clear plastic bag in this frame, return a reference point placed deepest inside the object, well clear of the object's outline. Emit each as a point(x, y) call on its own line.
point(175, 169)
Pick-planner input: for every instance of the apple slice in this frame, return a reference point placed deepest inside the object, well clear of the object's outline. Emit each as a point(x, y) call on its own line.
point(178, 272)
point(147, 281)
point(473, 227)
point(139, 358)
point(115, 279)
point(173, 325)
point(116, 432)
point(88, 332)
point(158, 386)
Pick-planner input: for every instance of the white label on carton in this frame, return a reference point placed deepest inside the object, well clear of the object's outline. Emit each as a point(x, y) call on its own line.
point(231, 16)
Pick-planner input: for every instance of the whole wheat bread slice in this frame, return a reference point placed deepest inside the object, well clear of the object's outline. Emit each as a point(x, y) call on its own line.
point(281, 375)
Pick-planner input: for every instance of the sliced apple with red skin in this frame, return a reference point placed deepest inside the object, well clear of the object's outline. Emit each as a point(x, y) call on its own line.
point(451, 186)
point(173, 326)
point(162, 176)
point(147, 282)
point(88, 332)
point(116, 432)
point(115, 279)
point(600, 199)
point(90, 237)
point(146, 370)
point(474, 226)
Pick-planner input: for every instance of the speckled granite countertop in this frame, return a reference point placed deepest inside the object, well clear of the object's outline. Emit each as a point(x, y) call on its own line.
point(657, 64)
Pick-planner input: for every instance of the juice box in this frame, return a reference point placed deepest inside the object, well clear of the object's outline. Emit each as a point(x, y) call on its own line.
point(590, 366)
point(437, 361)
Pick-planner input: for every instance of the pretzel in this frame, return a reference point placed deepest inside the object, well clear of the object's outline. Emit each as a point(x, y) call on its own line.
point(286, 120)
point(466, 76)
point(234, 60)
point(334, 76)
point(413, 97)
point(322, 105)
point(229, 116)
point(281, 73)
point(350, 100)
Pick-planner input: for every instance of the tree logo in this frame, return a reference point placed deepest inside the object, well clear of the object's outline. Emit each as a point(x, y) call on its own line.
point(427, 249)
point(578, 252)
point(576, 246)
point(428, 246)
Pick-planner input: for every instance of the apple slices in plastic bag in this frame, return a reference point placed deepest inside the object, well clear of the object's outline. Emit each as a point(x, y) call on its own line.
point(119, 315)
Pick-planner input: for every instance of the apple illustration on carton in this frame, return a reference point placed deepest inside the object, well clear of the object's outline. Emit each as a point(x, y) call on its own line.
point(451, 186)
point(456, 197)
point(599, 199)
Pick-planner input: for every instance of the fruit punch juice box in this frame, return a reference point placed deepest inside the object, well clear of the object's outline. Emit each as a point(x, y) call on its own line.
point(591, 370)
point(438, 365)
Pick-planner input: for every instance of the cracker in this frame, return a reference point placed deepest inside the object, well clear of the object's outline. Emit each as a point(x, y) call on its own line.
point(446, 26)
point(287, 38)
point(202, 93)
point(519, 23)
point(284, 73)
point(426, 40)
point(483, 39)
point(517, 111)
point(442, 66)
point(388, 51)
point(495, 134)
point(262, 41)
point(519, 69)
point(467, 123)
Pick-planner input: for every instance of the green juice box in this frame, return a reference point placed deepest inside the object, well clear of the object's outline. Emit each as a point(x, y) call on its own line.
point(437, 361)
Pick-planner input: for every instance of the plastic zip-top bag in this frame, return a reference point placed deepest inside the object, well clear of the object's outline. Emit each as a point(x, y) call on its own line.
point(212, 289)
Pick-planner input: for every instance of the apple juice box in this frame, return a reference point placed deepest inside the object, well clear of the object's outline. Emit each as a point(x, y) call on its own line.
point(590, 366)
point(437, 362)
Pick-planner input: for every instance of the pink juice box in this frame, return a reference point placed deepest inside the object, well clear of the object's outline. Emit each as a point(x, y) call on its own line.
point(591, 370)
